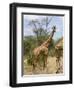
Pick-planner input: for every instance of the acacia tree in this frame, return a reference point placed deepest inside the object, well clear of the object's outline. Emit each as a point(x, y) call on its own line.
point(40, 28)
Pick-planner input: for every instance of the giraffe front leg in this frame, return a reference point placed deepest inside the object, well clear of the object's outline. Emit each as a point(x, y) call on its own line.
point(34, 65)
point(45, 62)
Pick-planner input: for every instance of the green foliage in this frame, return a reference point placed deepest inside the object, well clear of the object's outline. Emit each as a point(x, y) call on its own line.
point(30, 43)
point(40, 35)
point(30, 58)
point(52, 48)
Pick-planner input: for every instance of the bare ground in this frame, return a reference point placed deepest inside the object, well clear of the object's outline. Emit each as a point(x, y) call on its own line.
point(51, 68)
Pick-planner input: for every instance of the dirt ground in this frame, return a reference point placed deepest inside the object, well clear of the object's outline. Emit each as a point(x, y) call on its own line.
point(51, 68)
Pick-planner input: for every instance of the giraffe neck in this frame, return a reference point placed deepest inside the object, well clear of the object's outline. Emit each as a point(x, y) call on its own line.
point(51, 35)
point(48, 41)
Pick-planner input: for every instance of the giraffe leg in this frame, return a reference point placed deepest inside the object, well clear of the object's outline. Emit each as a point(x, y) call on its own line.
point(34, 64)
point(58, 64)
point(45, 62)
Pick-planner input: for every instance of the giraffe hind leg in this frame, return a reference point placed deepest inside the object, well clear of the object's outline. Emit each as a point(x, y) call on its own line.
point(45, 62)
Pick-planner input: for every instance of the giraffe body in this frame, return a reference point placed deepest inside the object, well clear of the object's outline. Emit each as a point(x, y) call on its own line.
point(42, 50)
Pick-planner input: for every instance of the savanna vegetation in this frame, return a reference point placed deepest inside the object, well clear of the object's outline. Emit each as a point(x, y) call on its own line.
point(40, 35)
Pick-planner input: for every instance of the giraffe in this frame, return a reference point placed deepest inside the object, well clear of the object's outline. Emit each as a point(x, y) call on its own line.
point(43, 49)
point(59, 51)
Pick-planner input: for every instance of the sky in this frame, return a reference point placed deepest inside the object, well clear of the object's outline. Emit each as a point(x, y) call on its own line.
point(57, 21)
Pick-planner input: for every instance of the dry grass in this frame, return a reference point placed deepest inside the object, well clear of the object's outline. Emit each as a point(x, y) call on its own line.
point(51, 67)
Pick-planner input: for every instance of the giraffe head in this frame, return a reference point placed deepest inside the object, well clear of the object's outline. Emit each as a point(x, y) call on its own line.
point(54, 28)
point(53, 31)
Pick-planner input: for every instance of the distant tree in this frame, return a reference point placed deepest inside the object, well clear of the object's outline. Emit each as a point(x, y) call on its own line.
point(40, 28)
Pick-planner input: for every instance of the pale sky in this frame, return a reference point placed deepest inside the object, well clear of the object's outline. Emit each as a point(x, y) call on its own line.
point(57, 21)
